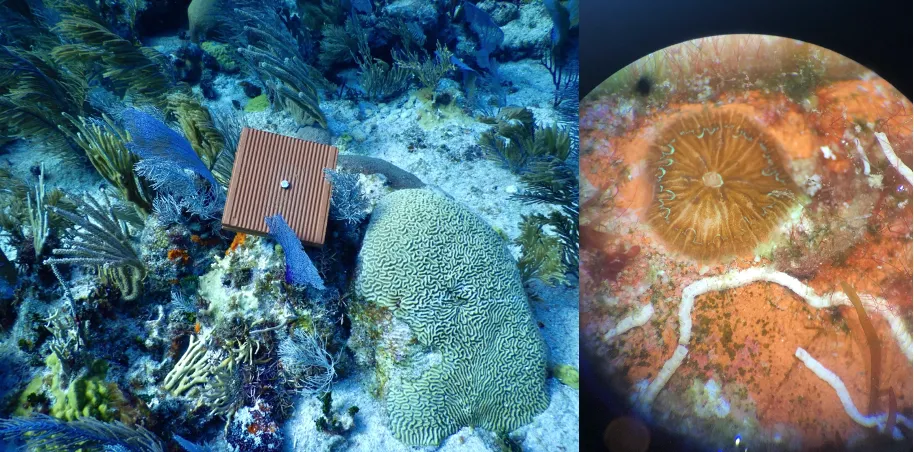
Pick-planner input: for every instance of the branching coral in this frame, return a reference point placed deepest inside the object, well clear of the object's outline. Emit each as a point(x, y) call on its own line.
point(555, 182)
point(23, 26)
point(68, 342)
point(102, 240)
point(428, 70)
point(135, 70)
point(347, 201)
point(218, 386)
point(229, 125)
point(13, 191)
point(191, 371)
point(38, 215)
point(565, 77)
point(307, 364)
point(340, 44)
point(516, 142)
point(541, 156)
point(198, 127)
point(105, 144)
point(541, 254)
point(410, 33)
point(223, 392)
point(378, 79)
point(293, 84)
point(34, 91)
point(290, 82)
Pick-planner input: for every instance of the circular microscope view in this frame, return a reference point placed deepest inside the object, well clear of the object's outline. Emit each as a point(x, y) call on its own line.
point(746, 246)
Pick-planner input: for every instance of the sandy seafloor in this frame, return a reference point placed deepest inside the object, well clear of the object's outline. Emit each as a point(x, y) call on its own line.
point(479, 184)
point(556, 429)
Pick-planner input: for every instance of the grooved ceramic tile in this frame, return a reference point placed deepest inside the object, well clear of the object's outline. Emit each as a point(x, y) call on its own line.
point(279, 174)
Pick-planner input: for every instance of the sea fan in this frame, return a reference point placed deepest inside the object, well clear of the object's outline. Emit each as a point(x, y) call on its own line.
point(170, 163)
point(153, 139)
point(490, 35)
point(43, 432)
point(300, 271)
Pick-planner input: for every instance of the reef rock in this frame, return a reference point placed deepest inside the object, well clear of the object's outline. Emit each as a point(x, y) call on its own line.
point(526, 36)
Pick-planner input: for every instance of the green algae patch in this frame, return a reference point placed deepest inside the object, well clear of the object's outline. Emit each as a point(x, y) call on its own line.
point(257, 104)
point(567, 374)
point(223, 54)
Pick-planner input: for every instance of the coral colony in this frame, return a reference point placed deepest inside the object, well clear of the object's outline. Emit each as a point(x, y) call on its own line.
point(316, 225)
point(747, 245)
point(720, 188)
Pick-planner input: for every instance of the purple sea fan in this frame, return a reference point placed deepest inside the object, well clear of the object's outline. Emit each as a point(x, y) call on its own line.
point(300, 271)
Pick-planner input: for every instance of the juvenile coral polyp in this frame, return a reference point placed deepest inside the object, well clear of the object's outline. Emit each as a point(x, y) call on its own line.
point(720, 185)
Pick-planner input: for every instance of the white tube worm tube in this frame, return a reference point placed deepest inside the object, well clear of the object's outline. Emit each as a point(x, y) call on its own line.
point(636, 319)
point(893, 159)
point(835, 382)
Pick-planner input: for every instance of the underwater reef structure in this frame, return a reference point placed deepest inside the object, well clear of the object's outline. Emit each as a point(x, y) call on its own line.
point(441, 281)
point(713, 169)
point(200, 204)
point(745, 264)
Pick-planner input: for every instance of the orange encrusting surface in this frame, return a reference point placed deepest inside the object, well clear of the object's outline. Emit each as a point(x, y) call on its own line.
point(176, 255)
point(239, 240)
point(747, 337)
point(799, 132)
point(843, 104)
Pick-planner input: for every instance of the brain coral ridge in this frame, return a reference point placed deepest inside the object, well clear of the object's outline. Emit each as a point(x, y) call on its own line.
point(447, 275)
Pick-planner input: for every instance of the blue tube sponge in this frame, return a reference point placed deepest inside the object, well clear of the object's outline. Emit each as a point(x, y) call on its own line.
point(300, 271)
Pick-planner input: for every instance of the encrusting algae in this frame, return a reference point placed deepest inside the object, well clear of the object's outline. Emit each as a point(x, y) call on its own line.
point(668, 303)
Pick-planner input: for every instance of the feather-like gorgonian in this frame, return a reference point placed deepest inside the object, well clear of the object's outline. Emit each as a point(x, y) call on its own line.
point(720, 186)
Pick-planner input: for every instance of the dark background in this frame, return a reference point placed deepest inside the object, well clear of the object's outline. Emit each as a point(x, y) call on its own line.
point(877, 34)
point(614, 33)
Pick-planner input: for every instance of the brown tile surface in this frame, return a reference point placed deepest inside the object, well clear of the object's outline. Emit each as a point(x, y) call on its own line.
point(263, 160)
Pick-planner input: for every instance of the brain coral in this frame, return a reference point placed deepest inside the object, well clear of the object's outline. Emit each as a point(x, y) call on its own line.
point(439, 269)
